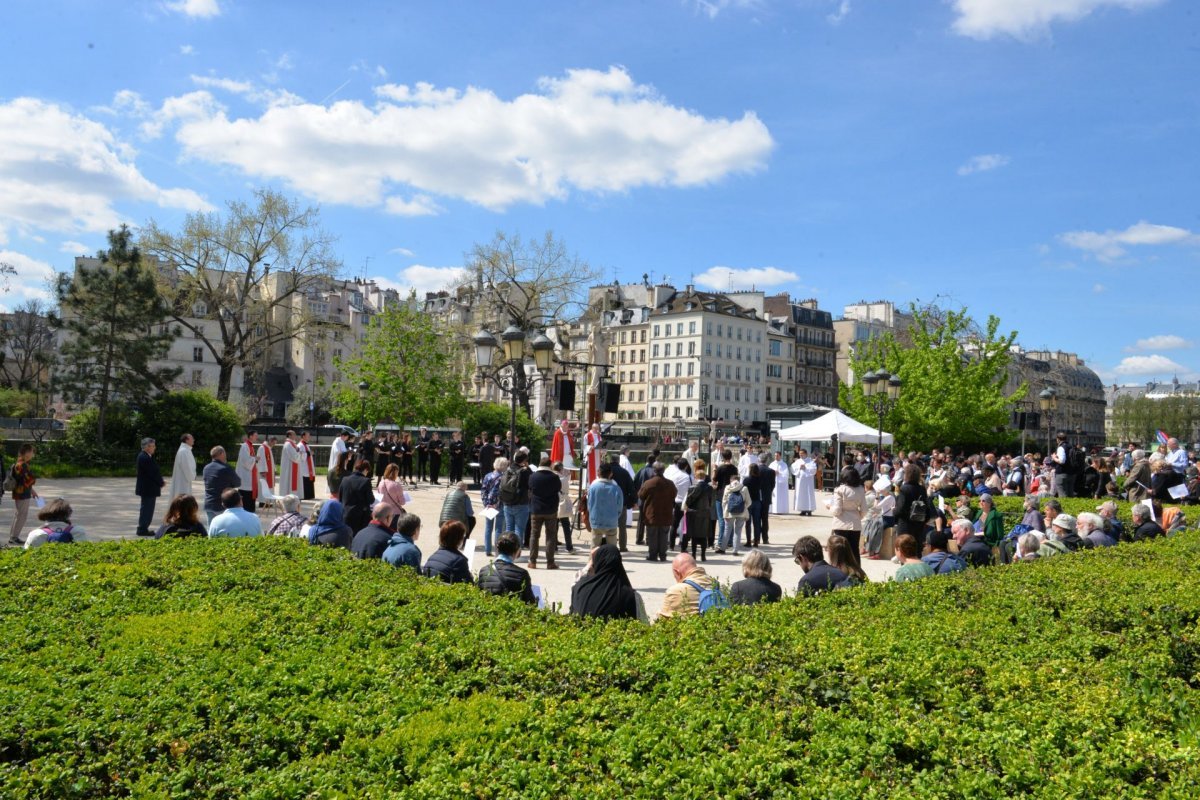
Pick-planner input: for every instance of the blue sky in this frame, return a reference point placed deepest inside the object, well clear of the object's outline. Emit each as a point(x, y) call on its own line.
point(1036, 160)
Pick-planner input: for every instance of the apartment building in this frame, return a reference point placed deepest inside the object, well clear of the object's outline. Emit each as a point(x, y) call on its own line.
point(815, 348)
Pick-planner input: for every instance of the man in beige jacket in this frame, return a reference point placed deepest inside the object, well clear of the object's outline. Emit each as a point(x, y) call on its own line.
point(682, 599)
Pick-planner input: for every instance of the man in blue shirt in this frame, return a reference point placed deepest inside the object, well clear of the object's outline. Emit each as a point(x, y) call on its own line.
point(1177, 457)
point(234, 522)
point(402, 550)
point(606, 506)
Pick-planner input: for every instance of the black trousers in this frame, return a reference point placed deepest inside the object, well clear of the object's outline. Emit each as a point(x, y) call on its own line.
point(435, 466)
point(456, 469)
point(422, 463)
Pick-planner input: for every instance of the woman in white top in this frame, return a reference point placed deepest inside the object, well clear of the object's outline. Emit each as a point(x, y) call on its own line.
point(849, 504)
point(56, 526)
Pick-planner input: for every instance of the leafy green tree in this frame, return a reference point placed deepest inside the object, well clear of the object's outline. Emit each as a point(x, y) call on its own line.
point(241, 281)
point(1138, 419)
point(495, 418)
point(113, 315)
point(206, 418)
point(953, 377)
point(406, 364)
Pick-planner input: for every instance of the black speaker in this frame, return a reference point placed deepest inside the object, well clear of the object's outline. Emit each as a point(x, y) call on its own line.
point(565, 389)
point(610, 397)
point(1033, 420)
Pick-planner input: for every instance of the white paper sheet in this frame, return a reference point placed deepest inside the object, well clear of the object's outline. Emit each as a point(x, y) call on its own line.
point(541, 598)
point(491, 513)
point(1178, 491)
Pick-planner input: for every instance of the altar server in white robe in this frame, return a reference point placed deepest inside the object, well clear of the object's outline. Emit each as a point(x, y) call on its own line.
point(292, 470)
point(782, 471)
point(184, 471)
point(805, 471)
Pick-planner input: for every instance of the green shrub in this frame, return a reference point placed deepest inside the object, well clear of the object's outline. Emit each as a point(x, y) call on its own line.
point(495, 418)
point(266, 668)
point(171, 415)
point(120, 428)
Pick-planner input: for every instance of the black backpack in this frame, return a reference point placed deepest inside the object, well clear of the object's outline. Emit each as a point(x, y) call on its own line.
point(918, 511)
point(510, 486)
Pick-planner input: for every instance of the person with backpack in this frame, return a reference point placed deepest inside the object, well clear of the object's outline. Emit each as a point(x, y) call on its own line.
point(20, 480)
point(736, 502)
point(939, 558)
point(912, 505)
point(56, 526)
point(694, 592)
point(514, 495)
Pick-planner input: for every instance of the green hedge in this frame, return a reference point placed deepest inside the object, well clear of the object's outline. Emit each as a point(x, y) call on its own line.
point(266, 668)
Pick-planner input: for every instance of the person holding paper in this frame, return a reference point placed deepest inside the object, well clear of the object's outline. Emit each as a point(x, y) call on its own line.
point(1144, 526)
point(1137, 481)
point(805, 471)
point(1163, 479)
point(489, 494)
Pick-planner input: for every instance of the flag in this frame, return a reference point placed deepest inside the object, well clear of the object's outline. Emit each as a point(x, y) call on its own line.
point(1162, 437)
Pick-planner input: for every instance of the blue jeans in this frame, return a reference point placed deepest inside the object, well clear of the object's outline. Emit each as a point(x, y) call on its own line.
point(515, 520)
point(488, 526)
point(719, 516)
point(732, 535)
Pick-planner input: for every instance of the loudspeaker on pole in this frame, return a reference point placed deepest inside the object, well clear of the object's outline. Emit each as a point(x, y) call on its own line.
point(610, 395)
point(565, 389)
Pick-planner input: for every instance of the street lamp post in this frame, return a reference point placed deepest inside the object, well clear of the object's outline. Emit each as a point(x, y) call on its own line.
point(1048, 400)
point(882, 391)
point(362, 406)
point(513, 338)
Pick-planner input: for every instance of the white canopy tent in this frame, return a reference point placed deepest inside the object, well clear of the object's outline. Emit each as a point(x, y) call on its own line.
point(835, 423)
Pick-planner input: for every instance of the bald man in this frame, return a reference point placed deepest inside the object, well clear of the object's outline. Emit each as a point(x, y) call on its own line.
point(683, 599)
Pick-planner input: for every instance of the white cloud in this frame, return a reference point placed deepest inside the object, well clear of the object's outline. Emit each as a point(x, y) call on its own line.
point(60, 171)
point(1028, 19)
point(983, 163)
point(714, 7)
point(421, 279)
point(195, 8)
point(225, 84)
point(836, 17)
point(591, 131)
point(401, 251)
point(246, 89)
point(1161, 342)
point(75, 248)
point(1148, 365)
point(1111, 244)
point(730, 279)
point(32, 281)
point(186, 49)
point(420, 205)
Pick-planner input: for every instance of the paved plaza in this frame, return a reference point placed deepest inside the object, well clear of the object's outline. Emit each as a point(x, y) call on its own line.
point(107, 509)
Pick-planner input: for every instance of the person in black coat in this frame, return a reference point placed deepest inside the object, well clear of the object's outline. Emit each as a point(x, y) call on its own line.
point(605, 591)
point(447, 562)
point(911, 491)
point(624, 480)
point(502, 576)
point(819, 577)
point(149, 486)
point(357, 496)
point(371, 541)
point(756, 586)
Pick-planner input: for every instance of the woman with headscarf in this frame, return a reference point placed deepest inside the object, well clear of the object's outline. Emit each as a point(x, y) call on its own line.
point(605, 591)
point(330, 529)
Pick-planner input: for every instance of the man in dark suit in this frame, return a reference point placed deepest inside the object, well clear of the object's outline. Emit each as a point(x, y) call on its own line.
point(818, 575)
point(149, 486)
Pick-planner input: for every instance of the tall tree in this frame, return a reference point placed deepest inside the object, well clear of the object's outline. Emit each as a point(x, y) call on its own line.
point(250, 272)
point(27, 346)
point(1138, 419)
point(953, 375)
point(114, 315)
point(531, 283)
point(407, 366)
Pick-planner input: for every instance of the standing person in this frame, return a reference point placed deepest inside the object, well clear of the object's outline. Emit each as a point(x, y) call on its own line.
point(473, 458)
point(341, 444)
point(697, 510)
point(266, 460)
point(1138, 478)
point(514, 495)
point(487, 456)
point(218, 476)
point(912, 505)
point(759, 478)
point(805, 471)
point(725, 473)
point(22, 491)
point(366, 448)
point(150, 484)
point(562, 446)
point(658, 505)
point(308, 470)
point(405, 450)
point(457, 451)
point(457, 506)
point(566, 508)
point(290, 467)
point(184, 471)
point(339, 472)
point(679, 474)
point(422, 447)
point(1063, 483)
point(391, 490)
point(643, 475)
point(623, 479)
point(782, 471)
point(592, 442)
point(544, 489)
point(736, 502)
point(849, 506)
point(435, 448)
point(605, 591)
point(692, 454)
point(489, 496)
point(606, 503)
point(356, 495)
point(248, 470)
point(383, 456)
point(624, 463)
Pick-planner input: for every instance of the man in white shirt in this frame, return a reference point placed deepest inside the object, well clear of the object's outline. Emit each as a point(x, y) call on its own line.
point(692, 454)
point(1177, 456)
point(337, 449)
point(234, 522)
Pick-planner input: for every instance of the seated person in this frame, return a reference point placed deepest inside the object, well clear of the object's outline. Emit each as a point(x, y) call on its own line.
point(1028, 547)
point(372, 540)
point(182, 519)
point(56, 526)
point(1090, 526)
point(234, 522)
point(1113, 526)
point(756, 585)
point(291, 522)
point(402, 550)
point(1143, 526)
point(972, 547)
point(503, 576)
point(605, 591)
point(939, 558)
point(818, 575)
point(912, 568)
point(330, 529)
point(447, 562)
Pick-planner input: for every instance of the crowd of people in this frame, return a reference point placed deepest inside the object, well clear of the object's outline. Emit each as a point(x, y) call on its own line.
point(689, 504)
